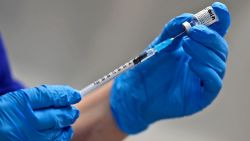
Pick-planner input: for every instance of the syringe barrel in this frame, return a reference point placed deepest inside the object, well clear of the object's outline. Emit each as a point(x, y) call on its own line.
point(206, 17)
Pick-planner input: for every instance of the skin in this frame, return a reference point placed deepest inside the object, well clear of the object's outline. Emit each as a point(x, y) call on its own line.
point(96, 122)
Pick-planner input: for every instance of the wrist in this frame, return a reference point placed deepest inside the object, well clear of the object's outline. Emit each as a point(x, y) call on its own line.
point(96, 118)
point(127, 124)
point(127, 106)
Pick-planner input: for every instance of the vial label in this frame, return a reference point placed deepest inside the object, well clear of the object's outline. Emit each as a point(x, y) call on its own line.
point(206, 17)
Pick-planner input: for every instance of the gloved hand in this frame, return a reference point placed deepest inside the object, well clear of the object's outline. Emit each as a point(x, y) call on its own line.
point(38, 114)
point(182, 80)
point(7, 83)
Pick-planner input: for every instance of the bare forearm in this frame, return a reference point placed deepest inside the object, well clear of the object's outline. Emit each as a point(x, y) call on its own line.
point(96, 122)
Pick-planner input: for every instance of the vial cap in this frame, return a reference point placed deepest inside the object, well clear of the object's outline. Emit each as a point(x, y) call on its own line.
point(187, 26)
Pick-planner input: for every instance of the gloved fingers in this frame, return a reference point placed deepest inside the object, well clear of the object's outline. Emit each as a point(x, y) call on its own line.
point(210, 80)
point(223, 14)
point(56, 118)
point(64, 134)
point(210, 39)
point(30, 134)
point(172, 29)
point(203, 55)
point(52, 96)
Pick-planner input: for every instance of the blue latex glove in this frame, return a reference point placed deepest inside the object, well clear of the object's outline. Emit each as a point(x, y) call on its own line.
point(7, 83)
point(180, 81)
point(38, 114)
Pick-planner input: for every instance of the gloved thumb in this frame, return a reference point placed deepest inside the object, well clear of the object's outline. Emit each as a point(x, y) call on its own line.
point(223, 14)
point(172, 29)
point(52, 96)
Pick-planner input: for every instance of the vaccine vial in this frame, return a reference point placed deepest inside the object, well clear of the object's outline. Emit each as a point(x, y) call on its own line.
point(206, 17)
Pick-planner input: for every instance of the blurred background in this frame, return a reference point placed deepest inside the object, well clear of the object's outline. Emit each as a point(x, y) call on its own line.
point(75, 42)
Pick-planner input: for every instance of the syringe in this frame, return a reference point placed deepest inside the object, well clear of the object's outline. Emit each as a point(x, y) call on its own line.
point(206, 17)
point(137, 60)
